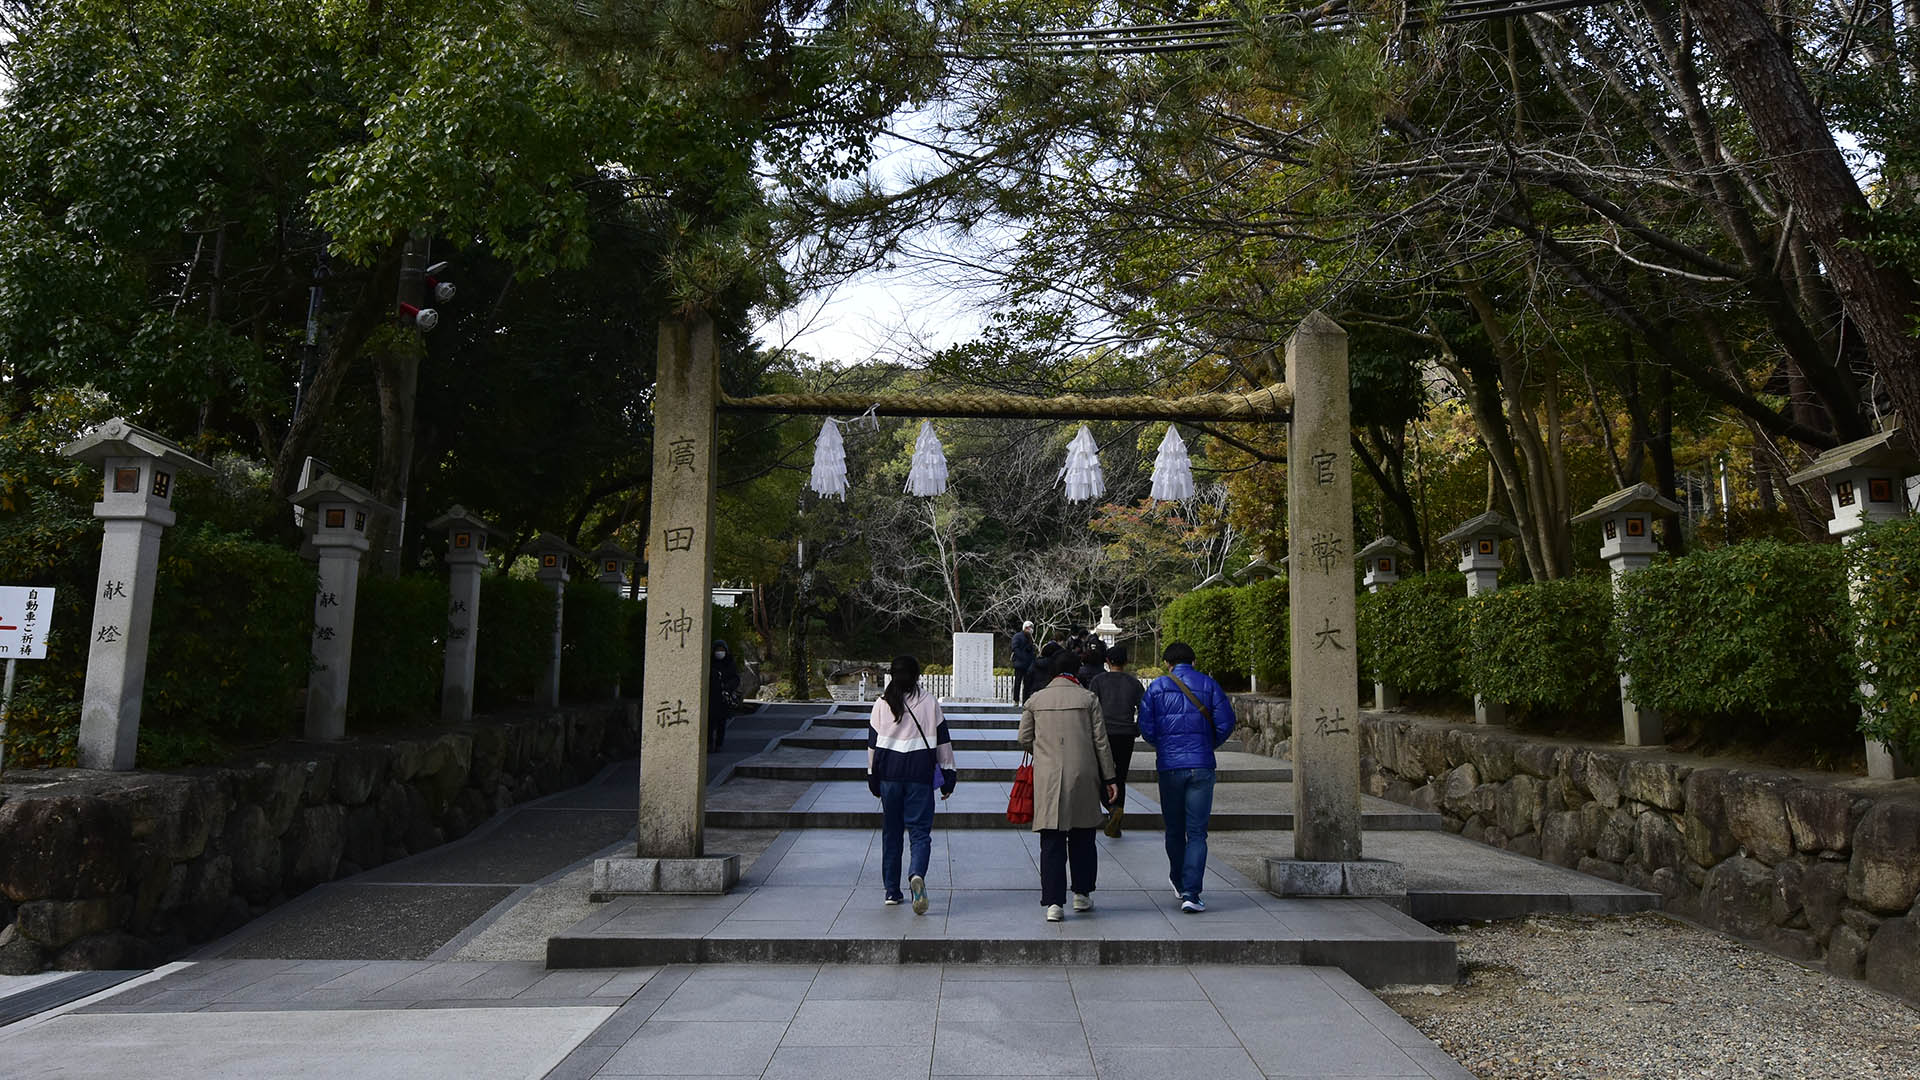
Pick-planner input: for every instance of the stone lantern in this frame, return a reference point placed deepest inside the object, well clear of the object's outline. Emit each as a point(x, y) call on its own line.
point(551, 554)
point(1107, 630)
point(337, 514)
point(1478, 542)
point(1626, 543)
point(135, 507)
point(1259, 569)
point(1383, 559)
point(467, 538)
point(612, 565)
point(1866, 481)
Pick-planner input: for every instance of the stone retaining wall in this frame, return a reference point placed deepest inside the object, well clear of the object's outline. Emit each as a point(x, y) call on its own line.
point(116, 870)
point(1820, 869)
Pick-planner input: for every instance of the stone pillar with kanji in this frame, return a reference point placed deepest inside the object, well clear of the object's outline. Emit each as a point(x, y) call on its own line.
point(1326, 698)
point(467, 538)
point(1866, 482)
point(1478, 541)
point(136, 506)
point(551, 555)
point(1626, 544)
point(671, 855)
point(1381, 563)
point(338, 514)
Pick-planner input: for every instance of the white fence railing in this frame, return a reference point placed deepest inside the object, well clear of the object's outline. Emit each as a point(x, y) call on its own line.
point(940, 686)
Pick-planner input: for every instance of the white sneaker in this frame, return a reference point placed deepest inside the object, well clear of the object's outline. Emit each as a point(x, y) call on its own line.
point(1193, 904)
point(917, 888)
point(1054, 914)
point(1082, 902)
point(1178, 893)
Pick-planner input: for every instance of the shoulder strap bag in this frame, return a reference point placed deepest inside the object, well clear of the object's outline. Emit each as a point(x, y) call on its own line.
point(939, 778)
point(1204, 711)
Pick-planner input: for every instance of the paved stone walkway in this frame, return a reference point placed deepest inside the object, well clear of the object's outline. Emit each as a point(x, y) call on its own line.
point(424, 1020)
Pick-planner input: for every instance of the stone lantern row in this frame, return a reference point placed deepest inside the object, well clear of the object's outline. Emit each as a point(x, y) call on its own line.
point(141, 470)
point(1866, 481)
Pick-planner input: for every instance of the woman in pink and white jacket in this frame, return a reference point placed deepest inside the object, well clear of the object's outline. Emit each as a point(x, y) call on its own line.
point(909, 753)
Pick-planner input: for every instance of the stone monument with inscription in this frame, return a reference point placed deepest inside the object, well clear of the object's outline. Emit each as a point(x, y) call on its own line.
point(671, 854)
point(1326, 698)
point(135, 507)
point(973, 667)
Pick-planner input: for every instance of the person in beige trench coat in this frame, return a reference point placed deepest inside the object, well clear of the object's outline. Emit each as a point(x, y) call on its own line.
point(1060, 724)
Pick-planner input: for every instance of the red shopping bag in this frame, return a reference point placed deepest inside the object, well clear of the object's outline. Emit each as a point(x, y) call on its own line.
point(1020, 802)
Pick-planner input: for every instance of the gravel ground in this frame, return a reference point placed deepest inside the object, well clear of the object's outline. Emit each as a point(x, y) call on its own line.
point(1649, 996)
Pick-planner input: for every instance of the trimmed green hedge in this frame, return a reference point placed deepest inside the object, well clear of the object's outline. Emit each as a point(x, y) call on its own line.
point(230, 645)
point(1413, 634)
point(595, 647)
point(399, 649)
point(1546, 645)
point(1887, 611)
point(1261, 632)
point(516, 638)
point(1755, 632)
point(1206, 619)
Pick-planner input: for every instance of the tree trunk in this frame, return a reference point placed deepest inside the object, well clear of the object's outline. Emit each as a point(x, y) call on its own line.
point(396, 366)
point(1881, 301)
point(372, 307)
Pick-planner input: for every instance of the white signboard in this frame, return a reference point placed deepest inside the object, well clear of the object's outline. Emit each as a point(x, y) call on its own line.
point(973, 667)
point(25, 613)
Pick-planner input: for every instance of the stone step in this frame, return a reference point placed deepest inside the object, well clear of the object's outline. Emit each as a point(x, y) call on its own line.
point(776, 804)
point(964, 738)
point(989, 765)
point(814, 897)
point(955, 721)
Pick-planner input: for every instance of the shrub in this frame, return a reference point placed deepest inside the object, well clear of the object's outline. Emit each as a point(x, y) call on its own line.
point(594, 642)
point(1758, 631)
point(399, 649)
point(1887, 611)
point(516, 636)
point(1545, 645)
point(633, 673)
point(1205, 620)
point(231, 643)
point(1261, 632)
point(1413, 634)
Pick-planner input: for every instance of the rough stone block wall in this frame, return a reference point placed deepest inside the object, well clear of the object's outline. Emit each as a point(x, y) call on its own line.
point(1820, 869)
point(115, 870)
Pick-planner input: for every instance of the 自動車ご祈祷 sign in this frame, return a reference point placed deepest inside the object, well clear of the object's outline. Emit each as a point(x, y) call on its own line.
point(25, 613)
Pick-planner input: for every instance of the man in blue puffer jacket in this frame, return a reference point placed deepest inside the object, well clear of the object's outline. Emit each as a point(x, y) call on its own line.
point(1185, 716)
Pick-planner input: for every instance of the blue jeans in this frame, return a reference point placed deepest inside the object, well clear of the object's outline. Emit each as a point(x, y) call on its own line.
point(904, 808)
point(1186, 801)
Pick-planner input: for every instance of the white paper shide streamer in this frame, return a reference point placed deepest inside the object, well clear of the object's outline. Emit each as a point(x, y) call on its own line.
point(829, 462)
point(1172, 470)
point(1082, 473)
point(928, 476)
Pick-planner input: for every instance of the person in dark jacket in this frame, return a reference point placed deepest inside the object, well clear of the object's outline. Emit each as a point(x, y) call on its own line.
point(907, 744)
point(1093, 654)
point(1023, 657)
point(723, 691)
point(1042, 672)
point(1119, 692)
point(1185, 716)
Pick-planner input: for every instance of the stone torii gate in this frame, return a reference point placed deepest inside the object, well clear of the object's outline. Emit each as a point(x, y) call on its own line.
point(670, 855)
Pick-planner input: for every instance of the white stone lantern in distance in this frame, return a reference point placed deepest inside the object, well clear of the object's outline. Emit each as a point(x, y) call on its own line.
point(551, 555)
point(1384, 560)
point(613, 566)
point(1866, 482)
point(1626, 543)
point(136, 506)
point(1478, 542)
point(467, 538)
point(338, 514)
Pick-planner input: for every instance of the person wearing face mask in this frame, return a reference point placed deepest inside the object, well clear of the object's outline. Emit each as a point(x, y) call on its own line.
point(722, 695)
